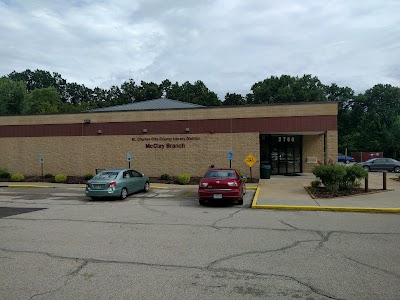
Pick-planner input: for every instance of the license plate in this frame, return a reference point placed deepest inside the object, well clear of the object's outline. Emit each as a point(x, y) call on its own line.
point(217, 196)
point(97, 186)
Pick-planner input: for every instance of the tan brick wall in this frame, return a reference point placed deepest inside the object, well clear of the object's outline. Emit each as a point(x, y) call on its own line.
point(81, 155)
point(313, 146)
point(332, 145)
point(303, 109)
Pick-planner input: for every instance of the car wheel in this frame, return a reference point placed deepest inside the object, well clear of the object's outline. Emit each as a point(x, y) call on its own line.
point(366, 168)
point(347, 162)
point(202, 202)
point(396, 169)
point(146, 187)
point(124, 193)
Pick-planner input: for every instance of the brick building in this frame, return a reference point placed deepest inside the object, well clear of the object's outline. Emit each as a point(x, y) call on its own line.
point(170, 137)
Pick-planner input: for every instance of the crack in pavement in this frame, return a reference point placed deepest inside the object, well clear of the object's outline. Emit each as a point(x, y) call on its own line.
point(373, 267)
point(289, 225)
point(295, 244)
point(86, 261)
point(324, 238)
point(214, 225)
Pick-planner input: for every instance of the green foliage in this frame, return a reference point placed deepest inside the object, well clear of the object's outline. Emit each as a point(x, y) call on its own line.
point(17, 177)
point(60, 178)
point(165, 177)
point(315, 184)
point(330, 175)
point(48, 175)
point(352, 177)
point(42, 101)
point(338, 177)
point(4, 174)
point(183, 178)
point(12, 95)
point(89, 176)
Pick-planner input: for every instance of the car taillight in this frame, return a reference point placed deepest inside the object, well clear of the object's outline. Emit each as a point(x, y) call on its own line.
point(112, 184)
point(203, 184)
point(232, 183)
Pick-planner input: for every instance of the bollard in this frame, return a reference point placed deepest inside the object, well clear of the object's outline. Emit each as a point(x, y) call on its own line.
point(384, 181)
point(366, 184)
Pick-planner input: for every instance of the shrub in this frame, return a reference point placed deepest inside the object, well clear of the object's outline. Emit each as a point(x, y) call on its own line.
point(48, 175)
point(183, 178)
point(315, 184)
point(88, 176)
point(17, 177)
point(330, 175)
point(60, 178)
point(165, 177)
point(352, 177)
point(4, 174)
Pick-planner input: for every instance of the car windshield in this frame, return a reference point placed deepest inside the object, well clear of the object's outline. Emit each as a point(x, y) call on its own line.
point(220, 174)
point(106, 175)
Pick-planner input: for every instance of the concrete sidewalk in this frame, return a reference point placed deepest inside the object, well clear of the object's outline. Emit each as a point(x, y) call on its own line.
point(288, 192)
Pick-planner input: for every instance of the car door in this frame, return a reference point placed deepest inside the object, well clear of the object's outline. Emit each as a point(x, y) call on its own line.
point(379, 164)
point(137, 179)
point(127, 181)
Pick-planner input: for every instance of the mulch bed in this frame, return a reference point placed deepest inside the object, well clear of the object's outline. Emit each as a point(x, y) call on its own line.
point(321, 192)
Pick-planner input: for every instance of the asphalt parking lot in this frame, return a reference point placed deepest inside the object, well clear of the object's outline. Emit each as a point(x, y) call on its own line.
point(164, 245)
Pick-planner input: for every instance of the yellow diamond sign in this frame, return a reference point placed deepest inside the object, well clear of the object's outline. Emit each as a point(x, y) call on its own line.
point(250, 160)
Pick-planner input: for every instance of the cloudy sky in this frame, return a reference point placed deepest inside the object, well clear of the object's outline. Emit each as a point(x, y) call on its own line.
point(228, 44)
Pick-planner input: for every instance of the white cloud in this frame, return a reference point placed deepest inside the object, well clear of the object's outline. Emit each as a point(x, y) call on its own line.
point(229, 45)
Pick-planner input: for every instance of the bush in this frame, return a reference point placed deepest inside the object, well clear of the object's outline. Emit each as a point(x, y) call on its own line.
point(339, 177)
point(4, 174)
point(330, 175)
point(165, 177)
point(48, 176)
point(352, 178)
point(60, 178)
point(17, 177)
point(183, 178)
point(315, 184)
point(88, 176)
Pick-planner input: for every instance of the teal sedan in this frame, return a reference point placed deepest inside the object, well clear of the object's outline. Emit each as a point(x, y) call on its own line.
point(116, 183)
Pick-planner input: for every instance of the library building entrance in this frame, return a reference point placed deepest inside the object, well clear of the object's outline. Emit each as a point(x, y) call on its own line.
point(282, 153)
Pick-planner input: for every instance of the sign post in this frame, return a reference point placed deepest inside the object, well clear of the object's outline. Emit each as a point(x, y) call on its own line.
point(41, 160)
point(250, 160)
point(129, 158)
point(230, 157)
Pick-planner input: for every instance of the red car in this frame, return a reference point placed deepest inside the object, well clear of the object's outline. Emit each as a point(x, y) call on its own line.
point(222, 184)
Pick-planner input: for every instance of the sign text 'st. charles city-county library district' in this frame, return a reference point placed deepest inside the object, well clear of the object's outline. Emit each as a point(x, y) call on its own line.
point(165, 142)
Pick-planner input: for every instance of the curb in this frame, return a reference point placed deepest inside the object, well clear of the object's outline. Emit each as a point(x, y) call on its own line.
point(329, 208)
point(322, 208)
point(26, 186)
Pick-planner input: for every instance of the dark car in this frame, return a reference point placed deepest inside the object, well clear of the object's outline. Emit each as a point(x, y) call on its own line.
point(345, 159)
point(116, 183)
point(221, 184)
point(381, 164)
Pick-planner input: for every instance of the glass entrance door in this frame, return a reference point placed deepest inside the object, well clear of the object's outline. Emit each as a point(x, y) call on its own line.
point(283, 153)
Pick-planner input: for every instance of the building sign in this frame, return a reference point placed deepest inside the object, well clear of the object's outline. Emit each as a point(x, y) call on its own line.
point(165, 142)
point(282, 139)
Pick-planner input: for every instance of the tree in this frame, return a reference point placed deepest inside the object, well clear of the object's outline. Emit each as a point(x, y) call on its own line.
point(287, 89)
point(12, 95)
point(196, 93)
point(43, 101)
point(234, 99)
point(35, 79)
